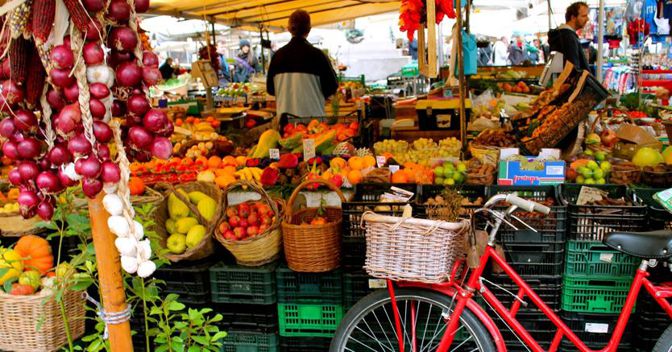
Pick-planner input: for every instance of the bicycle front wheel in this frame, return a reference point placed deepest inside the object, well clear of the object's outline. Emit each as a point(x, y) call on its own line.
point(369, 326)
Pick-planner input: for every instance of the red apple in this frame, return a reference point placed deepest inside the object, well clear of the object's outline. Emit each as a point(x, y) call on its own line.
point(234, 221)
point(252, 231)
point(224, 226)
point(263, 228)
point(253, 220)
point(239, 232)
point(243, 223)
point(244, 210)
point(230, 212)
point(265, 220)
point(229, 235)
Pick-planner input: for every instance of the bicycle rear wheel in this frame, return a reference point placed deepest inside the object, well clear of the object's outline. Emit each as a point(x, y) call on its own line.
point(369, 325)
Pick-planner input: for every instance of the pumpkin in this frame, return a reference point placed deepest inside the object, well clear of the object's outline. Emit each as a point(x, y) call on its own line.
point(36, 253)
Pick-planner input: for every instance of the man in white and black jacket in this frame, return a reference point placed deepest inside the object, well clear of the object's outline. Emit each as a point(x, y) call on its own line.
point(300, 76)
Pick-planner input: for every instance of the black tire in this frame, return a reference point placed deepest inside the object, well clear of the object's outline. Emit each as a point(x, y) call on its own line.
point(375, 306)
point(664, 343)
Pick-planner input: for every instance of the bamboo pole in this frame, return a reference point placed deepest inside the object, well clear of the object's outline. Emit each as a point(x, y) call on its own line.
point(462, 82)
point(112, 292)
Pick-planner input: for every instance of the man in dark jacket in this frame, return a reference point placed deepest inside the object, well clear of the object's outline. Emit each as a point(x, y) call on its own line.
point(564, 38)
point(300, 76)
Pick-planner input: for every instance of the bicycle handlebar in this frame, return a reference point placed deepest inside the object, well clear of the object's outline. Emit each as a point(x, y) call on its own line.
point(527, 205)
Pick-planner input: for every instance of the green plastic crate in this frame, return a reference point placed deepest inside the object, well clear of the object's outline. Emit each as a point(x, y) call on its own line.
point(309, 320)
point(594, 294)
point(596, 258)
point(240, 284)
point(248, 341)
point(295, 287)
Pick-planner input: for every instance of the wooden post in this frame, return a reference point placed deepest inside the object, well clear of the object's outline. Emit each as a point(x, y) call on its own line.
point(460, 71)
point(112, 292)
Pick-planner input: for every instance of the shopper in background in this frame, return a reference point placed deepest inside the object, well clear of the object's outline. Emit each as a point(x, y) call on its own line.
point(500, 52)
point(533, 51)
point(300, 76)
point(246, 63)
point(167, 70)
point(516, 53)
point(564, 38)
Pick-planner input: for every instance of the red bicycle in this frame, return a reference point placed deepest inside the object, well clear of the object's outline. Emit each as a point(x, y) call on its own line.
point(417, 317)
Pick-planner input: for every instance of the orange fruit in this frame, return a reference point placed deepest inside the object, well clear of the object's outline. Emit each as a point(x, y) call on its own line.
point(224, 180)
point(355, 177)
point(400, 177)
point(229, 161)
point(136, 186)
point(214, 162)
point(356, 163)
point(338, 163)
point(369, 161)
point(241, 160)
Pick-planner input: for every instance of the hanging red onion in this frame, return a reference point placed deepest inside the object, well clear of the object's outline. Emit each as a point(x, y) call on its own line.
point(61, 77)
point(139, 137)
point(93, 54)
point(62, 57)
point(122, 39)
point(141, 6)
point(9, 150)
point(88, 167)
point(48, 182)
point(72, 112)
point(94, 30)
point(110, 172)
point(99, 90)
point(102, 131)
point(151, 75)
point(44, 164)
point(7, 127)
point(55, 99)
point(14, 177)
point(29, 148)
point(64, 179)
point(28, 170)
point(91, 187)
point(71, 93)
point(142, 155)
point(67, 42)
point(119, 11)
point(138, 104)
point(150, 59)
point(133, 120)
point(12, 93)
point(97, 109)
point(155, 120)
point(93, 5)
point(128, 74)
point(168, 131)
point(118, 108)
point(103, 152)
point(64, 126)
point(45, 210)
point(27, 200)
point(59, 155)
point(79, 145)
point(25, 120)
point(5, 69)
point(118, 57)
point(162, 148)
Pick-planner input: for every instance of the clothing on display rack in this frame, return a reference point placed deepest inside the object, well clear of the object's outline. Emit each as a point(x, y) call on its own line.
point(637, 30)
point(620, 79)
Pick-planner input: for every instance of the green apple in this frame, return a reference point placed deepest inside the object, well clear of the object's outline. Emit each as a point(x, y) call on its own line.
point(588, 152)
point(598, 174)
point(461, 167)
point(592, 165)
point(195, 235)
point(589, 181)
point(580, 179)
point(438, 181)
point(439, 171)
point(458, 177)
point(600, 155)
point(449, 182)
point(600, 181)
point(177, 243)
point(605, 166)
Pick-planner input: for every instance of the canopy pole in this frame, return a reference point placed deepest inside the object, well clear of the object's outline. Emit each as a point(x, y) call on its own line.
point(261, 42)
point(112, 292)
point(600, 41)
point(460, 68)
point(550, 14)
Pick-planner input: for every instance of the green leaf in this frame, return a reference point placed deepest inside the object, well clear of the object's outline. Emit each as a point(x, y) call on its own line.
point(8, 284)
point(206, 310)
point(175, 306)
point(177, 346)
point(180, 325)
point(218, 336)
point(82, 284)
point(200, 339)
point(155, 311)
point(195, 349)
point(216, 318)
point(162, 348)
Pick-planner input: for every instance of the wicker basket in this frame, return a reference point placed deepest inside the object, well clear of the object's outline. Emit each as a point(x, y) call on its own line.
point(151, 196)
point(14, 225)
point(485, 153)
point(409, 249)
point(22, 314)
point(312, 248)
point(206, 247)
point(258, 250)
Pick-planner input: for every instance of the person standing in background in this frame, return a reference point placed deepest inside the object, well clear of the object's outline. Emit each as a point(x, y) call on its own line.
point(246, 63)
point(564, 38)
point(516, 54)
point(167, 70)
point(500, 52)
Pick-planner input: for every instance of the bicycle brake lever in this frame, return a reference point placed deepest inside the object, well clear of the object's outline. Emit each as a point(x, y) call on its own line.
point(523, 222)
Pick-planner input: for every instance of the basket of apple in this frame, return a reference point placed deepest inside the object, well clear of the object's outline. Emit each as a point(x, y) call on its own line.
point(186, 220)
point(251, 230)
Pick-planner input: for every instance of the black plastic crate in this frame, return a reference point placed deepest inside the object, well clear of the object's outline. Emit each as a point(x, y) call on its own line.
point(304, 344)
point(357, 285)
point(471, 192)
point(659, 218)
point(596, 329)
point(353, 254)
point(242, 341)
point(592, 222)
point(367, 198)
point(548, 289)
point(549, 228)
point(244, 285)
point(534, 259)
point(296, 287)
point(190, 280)
point(252, 317)
point(537, 324)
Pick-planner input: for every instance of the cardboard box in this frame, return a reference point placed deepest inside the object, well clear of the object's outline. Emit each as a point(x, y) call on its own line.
point(512, 173)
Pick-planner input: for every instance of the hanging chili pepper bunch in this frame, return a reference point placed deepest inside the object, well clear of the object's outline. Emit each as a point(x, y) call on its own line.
point(414, 12)
point(58, 131)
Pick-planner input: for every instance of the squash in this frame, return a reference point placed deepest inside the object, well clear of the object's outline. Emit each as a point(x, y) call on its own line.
point(21, 290)
point(36, 253)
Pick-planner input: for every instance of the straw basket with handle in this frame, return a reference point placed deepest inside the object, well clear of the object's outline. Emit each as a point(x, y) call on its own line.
point(312, 248)
point(258, 250)
point(22, 314)
point(409, 249)
point(206, 247)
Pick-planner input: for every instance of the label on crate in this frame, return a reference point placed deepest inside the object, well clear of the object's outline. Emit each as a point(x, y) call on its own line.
point(606, 257)
point(664, 198)
point(380, 160)
point(589, 195)
point(377, 283)
point(308, 149)
point(274, 153)
point(597, 328)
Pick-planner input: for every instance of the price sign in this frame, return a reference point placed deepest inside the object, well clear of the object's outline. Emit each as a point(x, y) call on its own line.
point(394, 168)
point(380, 160)
point(308, 149)
point(274, 153)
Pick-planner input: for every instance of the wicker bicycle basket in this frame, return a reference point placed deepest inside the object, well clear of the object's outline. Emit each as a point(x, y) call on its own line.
point(21, 316)
point(312, 248)
point(409, 249)
point(259, 250)
point(206, 247)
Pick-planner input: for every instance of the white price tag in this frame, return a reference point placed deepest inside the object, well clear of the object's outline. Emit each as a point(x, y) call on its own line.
point(597, 328)
point(377, 283)
point(308, 149)
point(380, 160)
point(274, 153)
point(394, 168)
point(606, 257)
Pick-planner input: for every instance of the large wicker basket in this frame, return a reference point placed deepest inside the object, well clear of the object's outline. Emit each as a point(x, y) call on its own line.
point(206, 247)
point(22, 314)
point(312, 248)
point(14, 225)
point(409, 249)
point(258, 250)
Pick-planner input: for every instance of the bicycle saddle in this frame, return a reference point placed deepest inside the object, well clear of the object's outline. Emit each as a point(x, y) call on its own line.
point(647, 245)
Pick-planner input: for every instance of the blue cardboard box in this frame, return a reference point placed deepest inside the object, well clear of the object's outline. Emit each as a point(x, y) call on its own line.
point(512, 172)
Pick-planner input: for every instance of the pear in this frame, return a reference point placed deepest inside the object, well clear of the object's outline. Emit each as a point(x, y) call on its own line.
point(207, 207)
point(197, 196)
point(176, 208)
point(185, 224)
